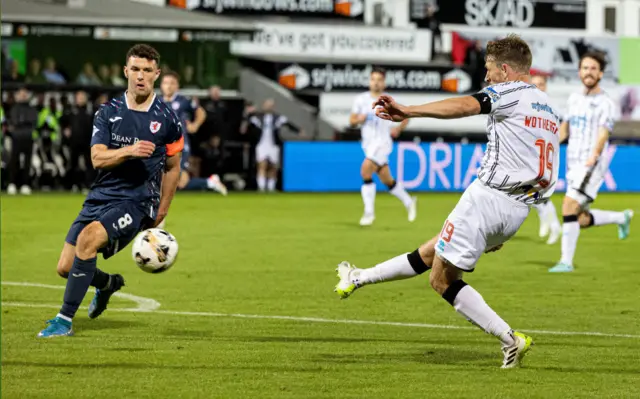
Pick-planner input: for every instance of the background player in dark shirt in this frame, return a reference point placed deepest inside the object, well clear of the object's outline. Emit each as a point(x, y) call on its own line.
point(192, 117)
point(136, 147)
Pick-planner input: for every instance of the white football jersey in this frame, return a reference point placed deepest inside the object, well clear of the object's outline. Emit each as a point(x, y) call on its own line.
point(373, 129)
point(586, 114)
point(523, 151)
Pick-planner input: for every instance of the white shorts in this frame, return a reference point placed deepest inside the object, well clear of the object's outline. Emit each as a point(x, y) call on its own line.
point(378, 152)
point(584, 183)
point(269, 153)
point(483, 218)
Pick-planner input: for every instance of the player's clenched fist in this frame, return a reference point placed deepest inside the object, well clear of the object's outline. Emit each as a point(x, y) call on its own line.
point(386, 108)
point(142, 149)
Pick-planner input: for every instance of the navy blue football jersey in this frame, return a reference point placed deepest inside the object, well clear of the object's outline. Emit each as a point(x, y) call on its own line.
point(137, 180)
point(186, 110)
point(183, 107)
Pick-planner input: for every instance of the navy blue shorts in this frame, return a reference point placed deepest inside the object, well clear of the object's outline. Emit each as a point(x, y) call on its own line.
point(122, 220)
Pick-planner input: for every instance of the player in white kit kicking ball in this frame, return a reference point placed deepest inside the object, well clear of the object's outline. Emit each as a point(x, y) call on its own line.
point(549, 223)
point(590, 118)
point(519, 169)
point(377, 143)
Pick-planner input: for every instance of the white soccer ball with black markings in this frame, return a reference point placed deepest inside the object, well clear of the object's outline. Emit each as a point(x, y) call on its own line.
point(155, 250)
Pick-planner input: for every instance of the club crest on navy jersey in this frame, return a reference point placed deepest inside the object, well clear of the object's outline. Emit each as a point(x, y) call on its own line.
point(154, 126)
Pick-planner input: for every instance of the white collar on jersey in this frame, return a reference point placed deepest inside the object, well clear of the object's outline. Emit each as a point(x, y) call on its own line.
point(126, 102)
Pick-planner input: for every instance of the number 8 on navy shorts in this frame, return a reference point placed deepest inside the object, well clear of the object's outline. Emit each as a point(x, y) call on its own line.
point(122, 220)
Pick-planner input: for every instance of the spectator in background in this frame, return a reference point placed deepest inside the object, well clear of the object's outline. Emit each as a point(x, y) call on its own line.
point(475, 61)
point(216, 114)
point(249, 110)
point(5, 60)
point(78, 137)
point(165, 68)
point(88, 76)
point(104, 74)
point(116, 75)
point(22, 122)
point(35, 72)
point(213, 156)
point(13, 75)
point(48, 136)
point(433, 24)
point(187, 80)
point(50, 72)
point(102, 98)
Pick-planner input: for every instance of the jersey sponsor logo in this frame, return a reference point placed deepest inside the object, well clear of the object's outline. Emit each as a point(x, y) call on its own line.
point(154, 126)
point(493, 95)
point(537, 122)
point(542, 107)
point(114, 119)
point(122, 141)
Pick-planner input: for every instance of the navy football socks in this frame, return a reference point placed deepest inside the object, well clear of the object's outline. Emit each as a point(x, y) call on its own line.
point(78, 283)
point(196, 184)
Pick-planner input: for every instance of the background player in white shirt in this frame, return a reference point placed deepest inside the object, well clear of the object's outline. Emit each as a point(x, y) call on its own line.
point(519, 168)
point(588, 124)
point(377, 143)
point(549, 223)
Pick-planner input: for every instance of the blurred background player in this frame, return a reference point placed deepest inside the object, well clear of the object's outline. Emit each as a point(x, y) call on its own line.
point(377, 143)
point(495, 205)
point(192, 117)
point(589, 121)
point(135, 146)
point(549, 223)
point(269, 125)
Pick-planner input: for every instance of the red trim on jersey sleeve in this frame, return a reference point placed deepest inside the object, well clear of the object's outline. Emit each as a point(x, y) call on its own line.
point(175, 147)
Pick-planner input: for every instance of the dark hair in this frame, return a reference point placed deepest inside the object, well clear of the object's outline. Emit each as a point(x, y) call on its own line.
point(597, 56)
point(143, 51)
point(511, 50)
point(171, 74)
point(380, 70)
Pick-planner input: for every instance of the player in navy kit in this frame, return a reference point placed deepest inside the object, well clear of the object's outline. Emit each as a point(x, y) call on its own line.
point(136, 147)
point(192, 117)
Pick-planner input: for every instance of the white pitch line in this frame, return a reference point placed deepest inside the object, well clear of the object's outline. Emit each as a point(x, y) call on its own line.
point(144, 304)
point(332, 321)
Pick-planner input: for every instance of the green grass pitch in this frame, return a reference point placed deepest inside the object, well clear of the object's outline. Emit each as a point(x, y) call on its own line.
point(274, 255)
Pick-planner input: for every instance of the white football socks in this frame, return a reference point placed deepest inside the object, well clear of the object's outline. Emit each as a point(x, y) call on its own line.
point(397, 268)
point(368, 191)
point(271, 184)
point(601, 217)
point(399, 192)
point(551, 215)
point(570, 234)
point(547, 213)
point(262, 182)
point(470, 304)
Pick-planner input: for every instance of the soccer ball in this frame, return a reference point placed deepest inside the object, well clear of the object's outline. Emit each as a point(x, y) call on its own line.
point(155, 250)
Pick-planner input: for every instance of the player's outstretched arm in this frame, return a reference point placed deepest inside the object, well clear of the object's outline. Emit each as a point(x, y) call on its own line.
point(169, 185)
point(451, 108)
point(104, 158)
